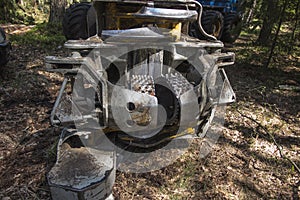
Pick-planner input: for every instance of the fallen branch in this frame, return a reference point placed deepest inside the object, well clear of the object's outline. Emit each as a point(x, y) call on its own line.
point(273, 139)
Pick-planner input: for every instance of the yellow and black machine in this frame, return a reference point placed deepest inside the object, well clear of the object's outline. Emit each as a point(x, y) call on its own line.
point(137, 81)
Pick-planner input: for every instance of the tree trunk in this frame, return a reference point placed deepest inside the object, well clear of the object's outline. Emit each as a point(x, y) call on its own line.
point(251, 12)
point(57, 10)
point(7, 10)
point(269, 21)
point(277, 32)
point(293, 36)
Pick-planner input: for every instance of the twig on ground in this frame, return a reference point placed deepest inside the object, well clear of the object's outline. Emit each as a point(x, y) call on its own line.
point(273, 139)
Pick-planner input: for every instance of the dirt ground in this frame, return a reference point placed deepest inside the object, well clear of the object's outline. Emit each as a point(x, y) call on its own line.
point(244, 164)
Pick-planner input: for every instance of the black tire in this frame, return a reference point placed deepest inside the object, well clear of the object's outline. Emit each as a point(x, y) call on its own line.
point(2, 32)
point(212, 23)
point(79, 21)
point(5, 48)
point(194, 31)
point(232, 27)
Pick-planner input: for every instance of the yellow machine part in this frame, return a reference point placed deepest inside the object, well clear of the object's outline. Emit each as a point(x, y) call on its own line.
point(117, 16)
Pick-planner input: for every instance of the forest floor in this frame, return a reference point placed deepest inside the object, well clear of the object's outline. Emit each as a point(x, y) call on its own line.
point(245, 163)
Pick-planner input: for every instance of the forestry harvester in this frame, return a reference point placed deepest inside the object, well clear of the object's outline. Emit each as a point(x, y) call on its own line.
point(136, 82)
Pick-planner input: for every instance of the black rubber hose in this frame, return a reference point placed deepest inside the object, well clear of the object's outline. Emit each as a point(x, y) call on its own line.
point(199, 22)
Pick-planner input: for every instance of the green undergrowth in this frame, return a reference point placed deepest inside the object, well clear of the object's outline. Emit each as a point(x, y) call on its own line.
point(46, 36)
point(249, 52)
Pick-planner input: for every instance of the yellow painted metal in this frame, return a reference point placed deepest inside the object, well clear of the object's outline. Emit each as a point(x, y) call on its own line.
point(120, 17)
point(176, 31)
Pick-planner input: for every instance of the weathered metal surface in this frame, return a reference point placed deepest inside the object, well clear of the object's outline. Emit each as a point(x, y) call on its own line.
point(144, 112)
point(143, 84)
point(75, 44)
point(134, 111)
point(137, 35)
point(78, 168)
point(81, 173)
point(148, 103)
point(64, 60)
point(227, 94)
point(164, 13)
point(146, 1)
point(57, 104)
point(224, 59)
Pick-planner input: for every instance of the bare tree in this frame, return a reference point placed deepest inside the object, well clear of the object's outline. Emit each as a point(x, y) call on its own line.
point(293, 36)
point(277, 32)
point(269, 21)
point(7, 10)
point(251, 11)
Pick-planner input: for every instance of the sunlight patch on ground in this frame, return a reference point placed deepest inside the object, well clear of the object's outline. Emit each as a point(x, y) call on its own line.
point(16, 28)
point(266, 147)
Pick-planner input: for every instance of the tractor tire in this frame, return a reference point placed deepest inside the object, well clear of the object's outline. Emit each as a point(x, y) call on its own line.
point(232, 27)
point(79, 21)
point(212, 23)
point(5, 48)
point(194, 31)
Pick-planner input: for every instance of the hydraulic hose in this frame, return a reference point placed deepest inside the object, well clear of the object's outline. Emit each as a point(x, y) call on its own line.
point(199, 22)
